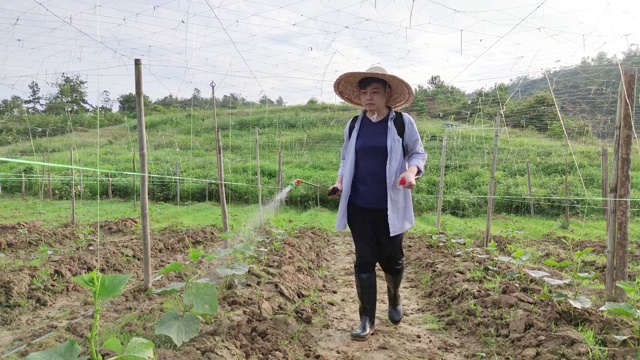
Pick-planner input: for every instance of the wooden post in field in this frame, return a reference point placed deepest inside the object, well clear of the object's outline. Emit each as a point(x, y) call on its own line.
point(73, 191)
point(221, 192)
point(530, 191)
point(492, 182)
point(604, 165)
point(42, 179)
point(23, 188)
point(178, 183)
point(50, 187)
point(441, 183)
point(620, 189)
point(280, 175)
point(81, 180)
point(133, 178)
point(144, 184)
point(109, 192)
point(206, 191)
point(566, 190)
point(259, 178)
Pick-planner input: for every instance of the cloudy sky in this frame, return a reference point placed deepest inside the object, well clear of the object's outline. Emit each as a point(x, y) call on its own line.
point(297, 48)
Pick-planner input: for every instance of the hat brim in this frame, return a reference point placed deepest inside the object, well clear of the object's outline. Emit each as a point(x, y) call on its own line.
point(346, 87)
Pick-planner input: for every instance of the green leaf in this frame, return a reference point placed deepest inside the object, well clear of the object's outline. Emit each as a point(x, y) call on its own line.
point(554, 263)
point(493, 245)
point(111, 285)
point(68, 350)
point(179, 328)
point(560, 296)
point(114, 345)
point(195, 254)
point(233, 269)
point(517, 254)
point(583, 252)
point(203, 297)
point(589, 275)
point(628, 286)
point(138, 349)
point(580, 302)
point(87, 280)
point(169, 289)
point(226, 235)
point(623, 309)
point(173, 267)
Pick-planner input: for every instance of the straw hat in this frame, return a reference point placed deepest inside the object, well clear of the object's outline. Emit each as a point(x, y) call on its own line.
point(346, 86)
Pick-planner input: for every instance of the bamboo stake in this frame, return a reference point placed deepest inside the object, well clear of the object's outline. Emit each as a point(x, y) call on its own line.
point(23, 187)
point(144, 185)
point(530, 191)
point(441, 183)
point(133, 178)
point(178, 183)
point(73, 191)
point(492, 181)
point(259, 178)
point(50, 187)
point(221, 192)
point(109, 192)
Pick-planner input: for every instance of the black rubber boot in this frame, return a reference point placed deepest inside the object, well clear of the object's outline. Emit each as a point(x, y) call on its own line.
point(367, 294)
point(393, 294)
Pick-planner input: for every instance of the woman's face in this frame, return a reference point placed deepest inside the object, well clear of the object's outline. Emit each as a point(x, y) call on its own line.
point(373, 97)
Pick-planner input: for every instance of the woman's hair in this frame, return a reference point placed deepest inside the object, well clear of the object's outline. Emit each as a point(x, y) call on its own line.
point(368, 81)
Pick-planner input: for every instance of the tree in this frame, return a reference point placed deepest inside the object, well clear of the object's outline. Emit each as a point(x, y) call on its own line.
point(34, 101)
point(280, 101)
point(12, 107)
point(312, 101)
point(127, 103)
point(71, 96)
point(106, 102)
point(264, 100)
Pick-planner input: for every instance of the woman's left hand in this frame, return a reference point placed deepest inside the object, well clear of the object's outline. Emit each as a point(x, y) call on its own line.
point(407, 180)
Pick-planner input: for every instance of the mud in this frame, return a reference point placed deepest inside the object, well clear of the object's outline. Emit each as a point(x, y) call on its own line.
point(298, 299)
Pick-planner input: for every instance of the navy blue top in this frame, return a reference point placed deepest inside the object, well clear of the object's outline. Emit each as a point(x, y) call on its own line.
point(369, 186)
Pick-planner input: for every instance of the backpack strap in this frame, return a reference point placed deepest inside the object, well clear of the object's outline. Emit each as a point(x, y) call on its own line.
point(398, 123)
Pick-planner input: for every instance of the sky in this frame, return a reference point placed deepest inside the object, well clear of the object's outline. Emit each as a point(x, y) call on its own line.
point(297, 48)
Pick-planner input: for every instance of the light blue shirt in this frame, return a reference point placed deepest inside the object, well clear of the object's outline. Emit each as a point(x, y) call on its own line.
point(399, 203)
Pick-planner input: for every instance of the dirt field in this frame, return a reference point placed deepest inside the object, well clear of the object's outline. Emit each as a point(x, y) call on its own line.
point(297, 302)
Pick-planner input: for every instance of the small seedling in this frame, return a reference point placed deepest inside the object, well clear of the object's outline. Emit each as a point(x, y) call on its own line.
point(578, 301)
point(103, 288)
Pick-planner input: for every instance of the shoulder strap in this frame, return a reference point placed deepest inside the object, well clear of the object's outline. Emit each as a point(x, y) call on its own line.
point(352, 125)
point(398, 123)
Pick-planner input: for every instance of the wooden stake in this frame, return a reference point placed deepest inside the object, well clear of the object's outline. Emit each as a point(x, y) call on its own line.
point(530, 191)
point(144, 184)
point(50, 187)
point(492, 181)
point(109, 192)
point(604, 166)
point(23, 189)
point(441, 183)
point(178, 183)
point(259, 178)
point(221, 192)
point(133, 178)
point(566, 190)
point(73, 191)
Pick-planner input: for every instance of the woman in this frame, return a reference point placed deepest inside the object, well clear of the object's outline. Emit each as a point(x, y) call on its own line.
point(381, 158)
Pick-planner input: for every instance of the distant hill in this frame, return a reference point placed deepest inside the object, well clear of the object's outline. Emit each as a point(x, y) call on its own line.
point(585, 92)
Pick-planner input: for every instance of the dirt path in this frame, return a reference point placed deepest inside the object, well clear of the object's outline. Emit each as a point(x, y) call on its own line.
point(409, 340)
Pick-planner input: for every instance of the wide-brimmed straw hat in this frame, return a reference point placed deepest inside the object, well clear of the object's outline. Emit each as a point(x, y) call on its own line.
point(346, 86)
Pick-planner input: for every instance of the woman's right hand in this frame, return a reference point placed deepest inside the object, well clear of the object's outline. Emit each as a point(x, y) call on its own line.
point(335, 191)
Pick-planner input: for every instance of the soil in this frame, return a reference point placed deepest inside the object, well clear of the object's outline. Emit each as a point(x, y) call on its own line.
point(297, 301)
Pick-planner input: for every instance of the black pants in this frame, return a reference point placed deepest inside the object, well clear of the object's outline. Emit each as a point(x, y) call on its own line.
point(370, 232)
